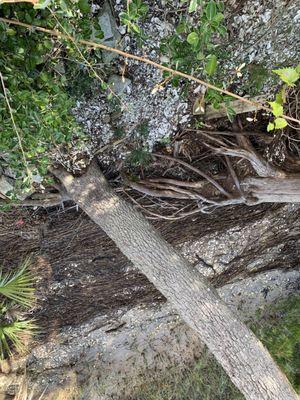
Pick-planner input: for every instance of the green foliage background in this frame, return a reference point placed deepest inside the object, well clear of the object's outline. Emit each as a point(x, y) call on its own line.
point(36, 71)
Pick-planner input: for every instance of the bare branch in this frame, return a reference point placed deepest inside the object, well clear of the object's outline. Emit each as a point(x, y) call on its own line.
point(164, 191)
point(233, 174)
point(195, 185)
point(261, 166)
point(197, 171)
point(172, 217)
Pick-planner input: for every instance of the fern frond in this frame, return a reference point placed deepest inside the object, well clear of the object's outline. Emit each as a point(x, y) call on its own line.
point(18, 286)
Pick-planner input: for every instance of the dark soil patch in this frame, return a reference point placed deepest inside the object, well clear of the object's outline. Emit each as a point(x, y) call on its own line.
point(80, 271)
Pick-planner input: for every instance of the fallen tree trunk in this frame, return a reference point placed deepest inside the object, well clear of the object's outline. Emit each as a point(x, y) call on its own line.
point(273, 190)
point(243, 357)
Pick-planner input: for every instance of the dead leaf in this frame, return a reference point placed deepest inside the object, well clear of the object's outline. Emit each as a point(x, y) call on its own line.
point(199, 105)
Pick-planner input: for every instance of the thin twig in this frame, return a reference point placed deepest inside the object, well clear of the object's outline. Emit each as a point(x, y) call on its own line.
point(166, 193)
point(107, 146)
point(144, 60)
point(176, 189)
point(223, 203)
point(234, 175)
point(145, 210)
point(87, 61)
point(172, 217)
point(195, 185)
point(215, 139)
point(226, 133)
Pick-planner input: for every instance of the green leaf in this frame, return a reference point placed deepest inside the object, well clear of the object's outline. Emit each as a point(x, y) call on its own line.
point(40, 149)
point(270, 127)
point(193, 6)
point(287, 75)
point(13, 335)
point(18, 286)
point(211, 65)
point(211, 10)
point(218, 17)
point(135, 28)
point(280, 123)
point(222, 30)
point(279, 98)
point(277, 108)
point(193, 39)
point(200, 56)
point(181, 27)
point(144, 9)
point(84, 6)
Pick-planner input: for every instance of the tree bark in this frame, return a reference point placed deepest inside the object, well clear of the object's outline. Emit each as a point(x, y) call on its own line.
point(273, 190)
point(243, 357)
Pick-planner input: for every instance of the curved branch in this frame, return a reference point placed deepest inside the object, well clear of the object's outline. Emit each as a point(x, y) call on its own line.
point(168, 193)
point(261, 166)
point(197, 171)
point(177, 182)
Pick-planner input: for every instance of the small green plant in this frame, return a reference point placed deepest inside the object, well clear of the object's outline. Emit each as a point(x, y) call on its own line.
point(289, 76)
point(119, 132)
point(18, 286)
point(216, 98)
point(143, 130)
point(13, 336)
point(16, 296)
point(139, 157)
point(192, 47)
point(136, 11)
point(258, 75)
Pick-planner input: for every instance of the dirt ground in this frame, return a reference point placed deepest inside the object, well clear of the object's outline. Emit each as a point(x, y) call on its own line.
point(79, 270)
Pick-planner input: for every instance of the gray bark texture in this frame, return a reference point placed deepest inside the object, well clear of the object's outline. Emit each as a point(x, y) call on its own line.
point(274, 190)
point(236, 348)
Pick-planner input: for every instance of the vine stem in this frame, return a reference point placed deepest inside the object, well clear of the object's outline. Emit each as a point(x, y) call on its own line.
point(14, 124)
point(144, 60)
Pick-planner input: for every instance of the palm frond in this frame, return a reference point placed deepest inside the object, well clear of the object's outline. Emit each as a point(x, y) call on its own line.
point(18, 286)
point(28, 392)
point(14, 335)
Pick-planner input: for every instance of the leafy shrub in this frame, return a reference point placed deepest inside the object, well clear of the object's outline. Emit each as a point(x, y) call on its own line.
point(136, 11)
point(34, 104)
point(289, 76)
point(191, 48)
